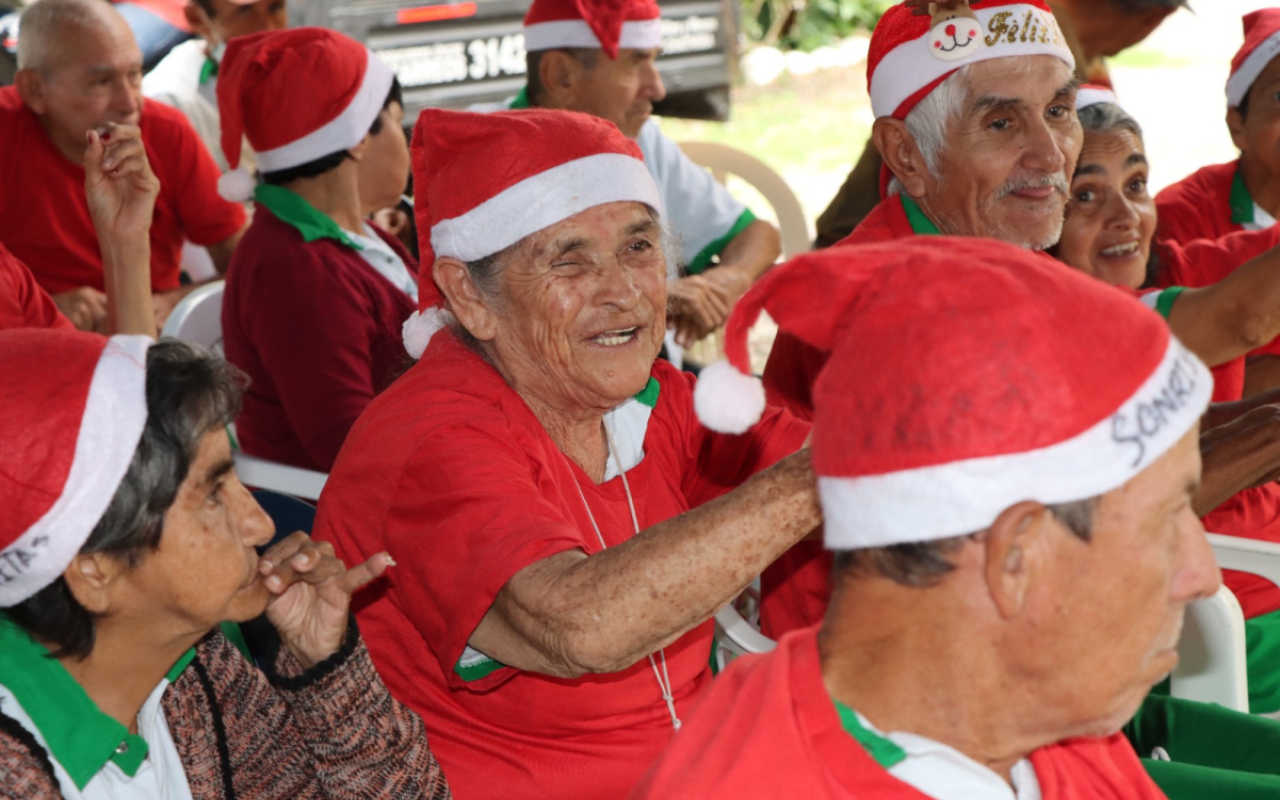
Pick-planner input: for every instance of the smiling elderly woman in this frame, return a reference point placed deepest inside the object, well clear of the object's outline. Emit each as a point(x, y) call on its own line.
point(126, 539)
point(564, 525)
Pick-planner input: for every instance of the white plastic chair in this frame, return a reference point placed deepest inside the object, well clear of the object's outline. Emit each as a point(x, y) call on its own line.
point(735, 636)
point(1212, 651)
point(724, 160)
point(198, 319)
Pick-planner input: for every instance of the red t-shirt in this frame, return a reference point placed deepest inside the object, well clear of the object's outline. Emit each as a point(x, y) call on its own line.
point(317, 330)
point(23, 304)
point(768, 729)
point(1198, 206)
point(44, 214)
point(450, 471)
point(1250, 513)
point(794, 590)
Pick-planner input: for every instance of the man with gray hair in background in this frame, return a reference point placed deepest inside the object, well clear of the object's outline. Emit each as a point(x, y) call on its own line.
point(79, 70)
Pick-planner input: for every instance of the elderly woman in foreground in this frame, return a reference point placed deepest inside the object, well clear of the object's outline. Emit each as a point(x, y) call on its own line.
point(565, 526)
point(125, 541)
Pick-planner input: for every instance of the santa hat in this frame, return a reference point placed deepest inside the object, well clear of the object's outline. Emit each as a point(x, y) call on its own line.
point(1091, 95)
point(610, 24)
point(69, 433)
point(483, 182)
point(910, 54)
point(297, 95)
point(952, 392)
point(1261, 44)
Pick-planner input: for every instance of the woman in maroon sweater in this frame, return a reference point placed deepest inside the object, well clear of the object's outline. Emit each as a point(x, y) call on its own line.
point(315, 294)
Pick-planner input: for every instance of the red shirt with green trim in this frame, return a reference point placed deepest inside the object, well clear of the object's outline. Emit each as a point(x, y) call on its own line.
point(450, 471)
point(23, 304)
point(768, 729)
point(1251, 513)
point(44, 213)
point(1203, 205)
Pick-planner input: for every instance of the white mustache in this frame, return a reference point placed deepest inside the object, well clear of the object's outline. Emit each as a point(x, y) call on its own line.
point(1057, 181)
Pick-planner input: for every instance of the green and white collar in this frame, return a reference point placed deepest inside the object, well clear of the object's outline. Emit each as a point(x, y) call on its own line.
point(521, 100)
point(80, 737)
point(291, 209)
point(920, 224)
point(1244, 210)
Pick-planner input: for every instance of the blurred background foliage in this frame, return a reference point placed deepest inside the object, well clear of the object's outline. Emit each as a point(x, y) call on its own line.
point(807, 24)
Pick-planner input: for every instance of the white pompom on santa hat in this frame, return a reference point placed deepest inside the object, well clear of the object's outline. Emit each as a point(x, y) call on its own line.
point(1261, 45)
point(911, 54)
point(966, 375)
point(607, 24)
point(473, 197)
point(297, 95)
point(74, 407)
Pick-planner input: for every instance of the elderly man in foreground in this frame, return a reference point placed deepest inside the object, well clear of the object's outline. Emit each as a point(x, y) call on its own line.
point(565, 527)
point(1027, 547)
point(79, 71)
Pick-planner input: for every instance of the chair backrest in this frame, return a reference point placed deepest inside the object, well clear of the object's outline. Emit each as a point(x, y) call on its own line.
point(263, 474)
point(198, 318)
point(735, 636)
point(724, 160)
point(1211, 654)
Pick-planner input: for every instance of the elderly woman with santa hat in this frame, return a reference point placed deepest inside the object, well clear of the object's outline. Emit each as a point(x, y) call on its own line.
point(565, 526)
point(126, 544)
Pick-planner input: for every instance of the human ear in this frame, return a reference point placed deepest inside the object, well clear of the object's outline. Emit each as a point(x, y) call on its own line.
point(1012, 548)
point(559, 73)
point(901, 155)
point(465, 300)
point(357, 152)
point(91, 578)
point(30, 85)
point(1235, 124)
point(198, 21)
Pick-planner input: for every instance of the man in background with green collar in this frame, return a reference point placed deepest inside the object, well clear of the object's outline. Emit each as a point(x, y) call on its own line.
point(600, 58)
point(187, 78)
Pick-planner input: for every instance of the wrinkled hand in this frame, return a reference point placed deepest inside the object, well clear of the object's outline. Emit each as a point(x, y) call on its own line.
point(118, 181)
point(86, 307)
point(699, 305)
point(311, 594)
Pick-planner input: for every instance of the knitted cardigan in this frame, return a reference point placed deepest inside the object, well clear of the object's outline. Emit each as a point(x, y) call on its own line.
point(330, 732)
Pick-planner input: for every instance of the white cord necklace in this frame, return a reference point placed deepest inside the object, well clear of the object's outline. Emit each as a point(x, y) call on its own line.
point(664, 680)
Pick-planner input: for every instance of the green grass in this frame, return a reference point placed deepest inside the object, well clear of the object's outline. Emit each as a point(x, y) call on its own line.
point(1144, 58)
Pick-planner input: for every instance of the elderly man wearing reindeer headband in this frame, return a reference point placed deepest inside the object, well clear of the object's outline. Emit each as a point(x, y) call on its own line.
point(1014, 537)
point(598, 56)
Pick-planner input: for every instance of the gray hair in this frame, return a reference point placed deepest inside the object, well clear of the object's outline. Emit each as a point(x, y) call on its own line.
point(45, 23)
point(1107, 117)
point(923, 564)
point(190, 392)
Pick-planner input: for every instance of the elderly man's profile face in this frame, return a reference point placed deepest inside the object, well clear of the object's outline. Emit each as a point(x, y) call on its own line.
point(93, 76)
point(621, 90)
point(583, 308)
point(1004, 170)
point(1107, 618)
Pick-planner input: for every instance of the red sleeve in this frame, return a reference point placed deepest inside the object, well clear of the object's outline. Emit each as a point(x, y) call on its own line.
point(469, 512)
point(206, 218)
point(717, 463)
point(1204, 262)
point(313, 328)
point(23, 304)
point(1177, 221)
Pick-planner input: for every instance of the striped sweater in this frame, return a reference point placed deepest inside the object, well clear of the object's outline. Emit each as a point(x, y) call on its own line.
point(330, 732)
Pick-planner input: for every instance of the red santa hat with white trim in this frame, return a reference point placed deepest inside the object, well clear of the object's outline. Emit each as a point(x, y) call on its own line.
point(608, 24)
point(75, 405)
point(1261, 45)
point(1091, 94)
point(911, 54)
point(951, 391)
point(297, 95)
point(474, 196)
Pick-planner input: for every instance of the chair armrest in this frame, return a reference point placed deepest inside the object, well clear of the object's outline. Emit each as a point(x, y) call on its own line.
point(741, 633)
point(263, 474)
point(1247, 555)
point(1211, 652)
